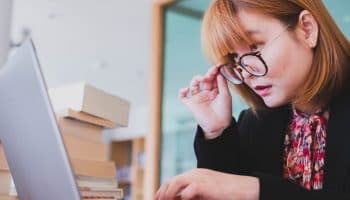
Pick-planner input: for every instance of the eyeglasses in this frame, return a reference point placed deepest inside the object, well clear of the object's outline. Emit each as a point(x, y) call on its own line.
point(252, 63)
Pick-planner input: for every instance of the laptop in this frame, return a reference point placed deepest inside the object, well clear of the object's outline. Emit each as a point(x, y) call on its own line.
point(29, 132)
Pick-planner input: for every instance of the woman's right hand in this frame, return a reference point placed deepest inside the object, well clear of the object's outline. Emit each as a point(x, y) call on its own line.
point(210, 101)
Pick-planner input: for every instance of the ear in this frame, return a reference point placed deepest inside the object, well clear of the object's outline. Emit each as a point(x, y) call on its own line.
point(308, 28)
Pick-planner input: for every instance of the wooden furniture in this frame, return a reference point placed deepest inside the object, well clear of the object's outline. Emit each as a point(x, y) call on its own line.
point(129, 156)
point(152, 167)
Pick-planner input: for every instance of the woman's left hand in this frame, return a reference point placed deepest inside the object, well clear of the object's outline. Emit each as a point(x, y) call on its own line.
point(208, 184)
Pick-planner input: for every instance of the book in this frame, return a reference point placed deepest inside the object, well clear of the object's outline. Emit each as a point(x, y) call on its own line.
point(84, 149)
point(13, 191)
point(3, 161)
point(95, 182)
point(92, 187)
point(85, 117)
point(5, 182)
point(86, 98)
point(101, 193)
point(80, 129)
point(100, 198)
point(86, 192)
point(7, 197)
point(91, 168)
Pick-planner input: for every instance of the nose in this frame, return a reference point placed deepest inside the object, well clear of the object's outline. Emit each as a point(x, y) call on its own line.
point(245, 74)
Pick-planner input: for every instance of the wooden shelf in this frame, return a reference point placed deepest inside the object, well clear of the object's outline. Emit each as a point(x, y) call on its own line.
point(129, 156)
point(122, 182)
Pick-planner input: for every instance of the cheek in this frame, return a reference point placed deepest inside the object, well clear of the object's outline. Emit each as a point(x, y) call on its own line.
point(279, 65)
point(281, 57)
point(289, 64)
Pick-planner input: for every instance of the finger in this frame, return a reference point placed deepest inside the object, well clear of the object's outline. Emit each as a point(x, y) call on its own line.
point(162, 191)
point(196, 81)
point(182, 95)
point(222, 85)
point(213, 71)
point(183, 92)
point(213, 94)
point(195, 91)
point(210, 75)
point(207, 86)
point(208, 83)
point(209, 80)
point(215, 84)
point(175, 187)
point(156, 197)
point(190, 192)
point(195, 84)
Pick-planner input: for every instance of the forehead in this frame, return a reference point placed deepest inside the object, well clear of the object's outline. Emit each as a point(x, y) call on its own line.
point(255, 23)
point(225, 31)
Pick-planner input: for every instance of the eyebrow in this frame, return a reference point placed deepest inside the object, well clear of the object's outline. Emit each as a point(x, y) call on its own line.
point(252, 32)
point(249, 32)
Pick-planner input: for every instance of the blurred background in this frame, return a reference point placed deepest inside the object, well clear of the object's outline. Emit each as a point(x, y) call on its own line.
point(110, 44)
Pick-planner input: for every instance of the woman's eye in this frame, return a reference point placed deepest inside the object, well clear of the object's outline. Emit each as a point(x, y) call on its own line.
point(253, 47)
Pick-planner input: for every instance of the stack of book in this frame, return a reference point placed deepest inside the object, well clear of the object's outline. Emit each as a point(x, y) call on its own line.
point(83, 112)
point(7, 188)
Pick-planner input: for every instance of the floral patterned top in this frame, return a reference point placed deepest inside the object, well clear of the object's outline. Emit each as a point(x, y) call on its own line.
point(304, 149)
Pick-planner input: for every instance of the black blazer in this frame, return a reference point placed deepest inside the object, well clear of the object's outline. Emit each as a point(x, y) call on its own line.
point(254, 146)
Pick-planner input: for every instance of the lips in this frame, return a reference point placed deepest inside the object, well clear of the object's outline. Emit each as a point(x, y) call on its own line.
point(261, 87)
point(263, 90)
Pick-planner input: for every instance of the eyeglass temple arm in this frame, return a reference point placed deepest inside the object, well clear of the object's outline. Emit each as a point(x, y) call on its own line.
point(285, 28)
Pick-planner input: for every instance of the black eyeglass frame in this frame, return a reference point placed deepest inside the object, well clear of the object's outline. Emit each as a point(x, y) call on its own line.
point(236, 65)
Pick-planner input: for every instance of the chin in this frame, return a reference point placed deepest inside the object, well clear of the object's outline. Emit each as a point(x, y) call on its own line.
point(272, 101)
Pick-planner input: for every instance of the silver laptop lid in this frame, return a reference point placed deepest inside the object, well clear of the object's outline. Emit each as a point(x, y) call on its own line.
point(28, 130)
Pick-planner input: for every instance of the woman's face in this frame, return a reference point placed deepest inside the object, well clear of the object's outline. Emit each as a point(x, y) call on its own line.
point(286, 54)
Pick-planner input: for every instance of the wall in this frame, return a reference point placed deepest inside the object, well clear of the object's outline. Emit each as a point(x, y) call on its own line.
point(105, 42)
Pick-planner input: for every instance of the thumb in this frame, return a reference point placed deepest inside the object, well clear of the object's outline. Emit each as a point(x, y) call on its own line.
point(222, 85)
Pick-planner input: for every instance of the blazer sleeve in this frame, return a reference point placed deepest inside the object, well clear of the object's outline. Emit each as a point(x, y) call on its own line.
point(273, 187)
point(227, 152)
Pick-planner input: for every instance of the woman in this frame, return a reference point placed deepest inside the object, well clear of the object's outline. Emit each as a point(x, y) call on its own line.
point(290, 62)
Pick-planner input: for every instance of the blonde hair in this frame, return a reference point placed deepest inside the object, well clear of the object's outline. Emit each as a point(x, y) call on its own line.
point(221, 32)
